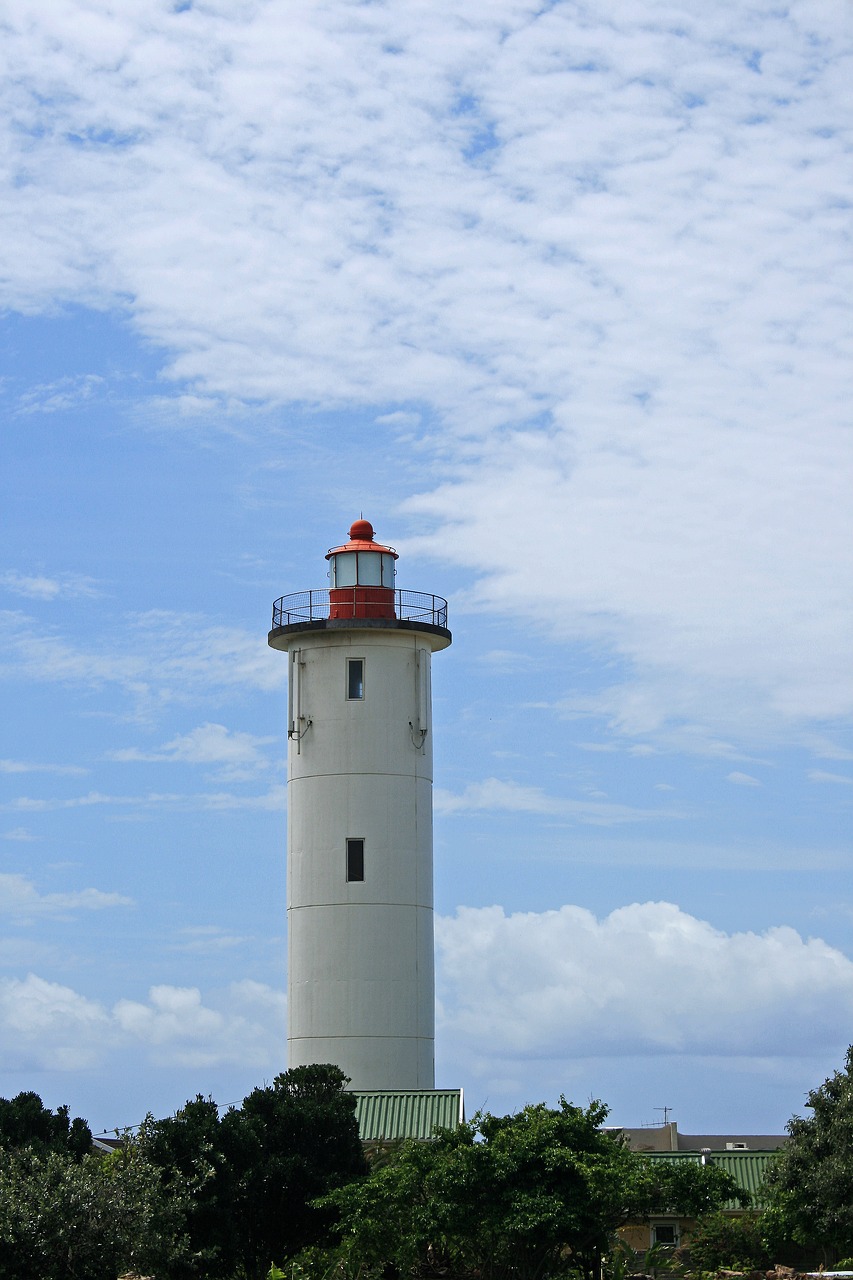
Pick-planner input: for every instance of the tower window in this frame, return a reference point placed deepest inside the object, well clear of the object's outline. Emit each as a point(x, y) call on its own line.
point(355, 679)
point(355, 860)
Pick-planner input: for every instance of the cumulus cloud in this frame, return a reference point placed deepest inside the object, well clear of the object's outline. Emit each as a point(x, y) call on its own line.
point(243, 1025)
point(647, 979)
point(47, 1025)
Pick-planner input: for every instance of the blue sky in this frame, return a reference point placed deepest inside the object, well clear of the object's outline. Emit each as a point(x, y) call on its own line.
point(559, 297)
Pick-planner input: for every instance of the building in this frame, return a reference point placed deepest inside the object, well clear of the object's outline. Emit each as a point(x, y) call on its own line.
point(747, 1157)
point(665, 1137)
point(359, 821)
point(748, 1168)
point(386, 1116)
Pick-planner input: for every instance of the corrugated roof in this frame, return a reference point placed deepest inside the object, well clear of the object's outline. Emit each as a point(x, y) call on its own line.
point(386, 1115)
point(748, 1168)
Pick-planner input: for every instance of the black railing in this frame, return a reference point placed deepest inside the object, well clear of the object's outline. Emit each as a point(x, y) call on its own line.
point(312, 606)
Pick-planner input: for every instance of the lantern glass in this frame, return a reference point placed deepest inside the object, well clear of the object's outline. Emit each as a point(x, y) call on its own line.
point(369, 569)
point(344, 569)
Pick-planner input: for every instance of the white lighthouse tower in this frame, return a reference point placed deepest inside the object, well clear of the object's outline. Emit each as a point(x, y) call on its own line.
point(359, 818)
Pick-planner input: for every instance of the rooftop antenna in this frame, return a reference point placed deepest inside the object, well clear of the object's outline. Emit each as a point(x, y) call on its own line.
point(666, 1111)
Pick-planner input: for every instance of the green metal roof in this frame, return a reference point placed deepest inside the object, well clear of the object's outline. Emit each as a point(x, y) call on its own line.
point(748, 1168)
point(386, 1115)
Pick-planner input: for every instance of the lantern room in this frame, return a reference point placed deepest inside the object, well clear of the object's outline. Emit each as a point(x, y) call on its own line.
point(361, 562)
point(361, 576)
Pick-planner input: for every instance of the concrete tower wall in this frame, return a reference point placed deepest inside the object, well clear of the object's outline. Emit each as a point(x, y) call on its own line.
point(360, 952)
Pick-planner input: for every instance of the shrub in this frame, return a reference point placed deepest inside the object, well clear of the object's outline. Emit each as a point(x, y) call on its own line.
point(723, 1241)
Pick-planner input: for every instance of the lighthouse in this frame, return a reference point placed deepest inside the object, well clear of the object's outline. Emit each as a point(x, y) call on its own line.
point(361, 991)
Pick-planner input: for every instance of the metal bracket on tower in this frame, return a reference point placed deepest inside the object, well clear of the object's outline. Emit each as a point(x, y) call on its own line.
point(297, 734)
point(418, 736)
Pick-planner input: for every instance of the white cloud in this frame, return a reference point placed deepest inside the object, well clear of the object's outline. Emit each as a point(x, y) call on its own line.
point(243, 1025)
point(41, 588)
point(603, 254)
point(274, 799)
point(20, 897)
point(505, 661)
point(157, 658)
point(24, 766)
point(237, 754)
point(558, 985)
point(495, 796)
point(827, 748)
point(47, 1025)
point(207, 940)
point(21, 834)
point(819, 775)
point(64, 393)
point(648, 978)
point(37, 588)
point(401, 418)
point(742, 779)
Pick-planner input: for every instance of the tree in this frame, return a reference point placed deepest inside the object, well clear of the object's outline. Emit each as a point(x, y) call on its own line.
point(810, 1186)
point(25, 1121)
point(722, 1241)
point(522, 1196)
point(255, 1172)
point(64, 1219)
point(682, 1186)
point(526, 1195)
point(187, 1148)
point(290, 1144)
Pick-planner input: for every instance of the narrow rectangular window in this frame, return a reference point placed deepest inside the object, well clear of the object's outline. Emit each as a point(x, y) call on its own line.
point(355, 860)
point(355, 679)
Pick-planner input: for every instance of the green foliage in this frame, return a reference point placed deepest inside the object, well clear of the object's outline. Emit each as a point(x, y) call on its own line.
point(526, 1195)
point(722, 1241)
point(187, 1149)
point(25, 1121)
point(661, 1258)
point(255, 1173)
point(684, 1186)
point(64, 1219)
point(190, 1196)
point(810, 1186)
point(621, 1261)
